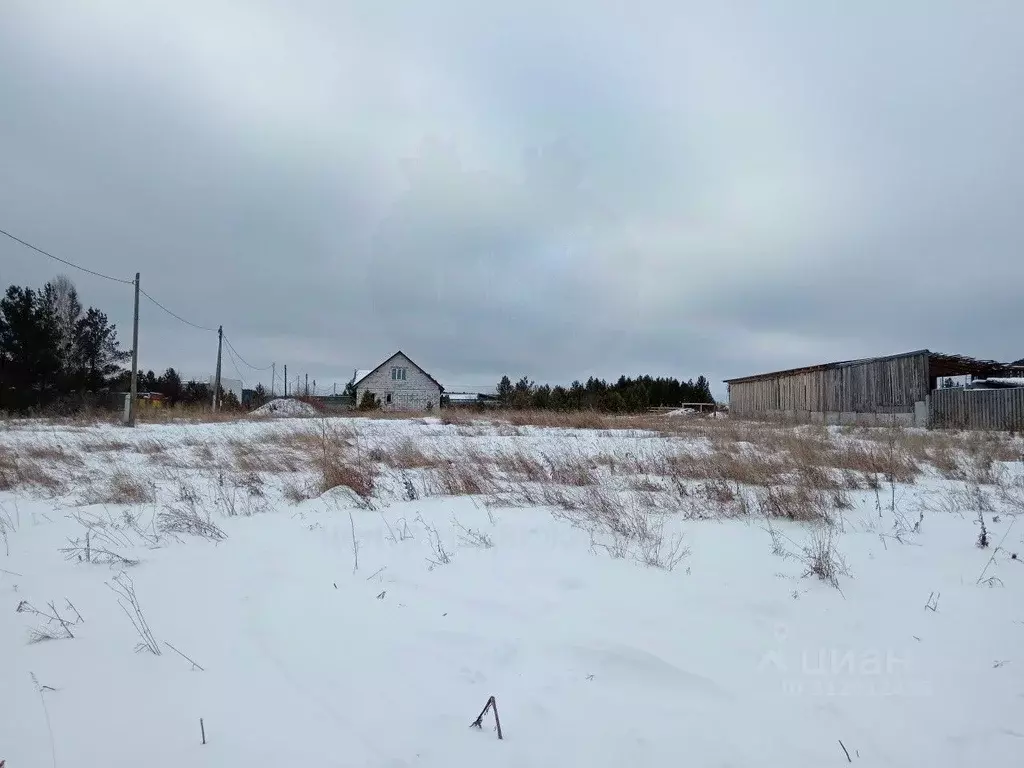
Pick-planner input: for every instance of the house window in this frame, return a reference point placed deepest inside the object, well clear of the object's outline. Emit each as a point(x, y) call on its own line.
point(389, 397)
point(398, 374)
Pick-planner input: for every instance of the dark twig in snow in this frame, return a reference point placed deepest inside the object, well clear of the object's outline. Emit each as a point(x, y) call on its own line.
point(491, 704)
point(998, 547)
point(845, 751)
point(186, 658)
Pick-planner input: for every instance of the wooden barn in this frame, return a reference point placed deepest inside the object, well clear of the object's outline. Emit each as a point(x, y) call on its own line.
point(899, 389)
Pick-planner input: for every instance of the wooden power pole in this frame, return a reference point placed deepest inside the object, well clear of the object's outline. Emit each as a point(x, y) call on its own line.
point(133, 396)
point(216, 380)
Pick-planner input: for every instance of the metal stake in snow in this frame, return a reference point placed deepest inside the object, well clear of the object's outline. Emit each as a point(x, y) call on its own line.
point(493, 705)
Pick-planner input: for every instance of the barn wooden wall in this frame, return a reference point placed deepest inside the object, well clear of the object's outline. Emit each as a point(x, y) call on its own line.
point(959, 408)
point(890, 385)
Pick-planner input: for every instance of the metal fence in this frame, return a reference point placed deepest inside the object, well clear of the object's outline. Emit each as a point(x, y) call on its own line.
point(961, 408)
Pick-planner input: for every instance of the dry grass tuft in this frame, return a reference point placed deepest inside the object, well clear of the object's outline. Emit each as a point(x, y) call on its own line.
point(460, 478)
point(197, 414)
point(121, 487)
point(204, 454)
point(360, 477)
point(797, 503)
point(520, 466)
point(338, 465)
point(251, 456)
point(822, 558)
point(150, 447)
point(404, 455)
point(570, 470)
point(105, 446)
point(296, 493)
point(17, 473)
point(52, 453)
point(744, 467)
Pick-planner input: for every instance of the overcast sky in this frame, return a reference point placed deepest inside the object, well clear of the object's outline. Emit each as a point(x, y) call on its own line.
point(549, 189)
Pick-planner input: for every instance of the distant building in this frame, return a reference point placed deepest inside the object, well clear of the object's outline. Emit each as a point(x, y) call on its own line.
point(228, 385)
point(399, 384)
point(470, 400)
point(900, 389)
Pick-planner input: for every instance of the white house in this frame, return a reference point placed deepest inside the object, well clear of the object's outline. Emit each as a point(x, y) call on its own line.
point(399, 385)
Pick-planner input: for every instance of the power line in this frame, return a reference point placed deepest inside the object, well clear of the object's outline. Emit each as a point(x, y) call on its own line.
point(176, 317)
point(235, 366)
point(250, 365)
point(64, 261)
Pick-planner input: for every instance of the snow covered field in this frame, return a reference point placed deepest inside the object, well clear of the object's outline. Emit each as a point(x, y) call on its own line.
point(350, 593)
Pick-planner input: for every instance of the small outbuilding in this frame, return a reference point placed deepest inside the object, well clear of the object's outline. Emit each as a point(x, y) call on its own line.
point(399, 384)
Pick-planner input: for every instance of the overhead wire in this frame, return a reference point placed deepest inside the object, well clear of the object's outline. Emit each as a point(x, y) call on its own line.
point(235, 366)
point(247, 364)
point(177, 316)
point(65, 261)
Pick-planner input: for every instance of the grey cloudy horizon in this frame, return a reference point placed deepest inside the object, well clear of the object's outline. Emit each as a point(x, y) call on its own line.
point(557, 192)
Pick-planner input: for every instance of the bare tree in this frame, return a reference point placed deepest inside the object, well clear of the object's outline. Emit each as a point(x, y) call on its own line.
point(62, 301)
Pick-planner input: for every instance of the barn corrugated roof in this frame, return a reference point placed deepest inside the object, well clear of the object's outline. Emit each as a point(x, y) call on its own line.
point(939, 364)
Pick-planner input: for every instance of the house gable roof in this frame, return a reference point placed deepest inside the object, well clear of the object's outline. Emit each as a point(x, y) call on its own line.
point(388, 360)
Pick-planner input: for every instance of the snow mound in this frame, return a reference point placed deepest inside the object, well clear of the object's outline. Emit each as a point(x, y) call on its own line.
point(688, 412)
point(285, 406)
point(682, 412)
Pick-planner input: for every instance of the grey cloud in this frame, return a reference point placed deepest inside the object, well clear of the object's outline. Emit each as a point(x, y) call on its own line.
point(554, 192)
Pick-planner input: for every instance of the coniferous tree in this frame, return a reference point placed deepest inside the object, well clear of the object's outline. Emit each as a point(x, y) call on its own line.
point(229, 400)
point(541, 397)
point(97, 353)
point(522, 393)
point(170, 386)
point(196, 393)
point(29, 349)
point(623, 395)
point(259, 396)
point(505, 390)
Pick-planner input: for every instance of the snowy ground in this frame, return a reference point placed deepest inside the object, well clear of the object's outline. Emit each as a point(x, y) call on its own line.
point(630, 597)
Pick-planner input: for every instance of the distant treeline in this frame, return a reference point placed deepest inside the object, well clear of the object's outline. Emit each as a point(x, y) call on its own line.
point(57, 356)
point(51, 347)
point(625, 395)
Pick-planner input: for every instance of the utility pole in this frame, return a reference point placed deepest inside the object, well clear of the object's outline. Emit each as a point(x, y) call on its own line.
point(273, 377)
point(135, 358)
point(216, 381)
point(286, 379)
point(307, 385)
